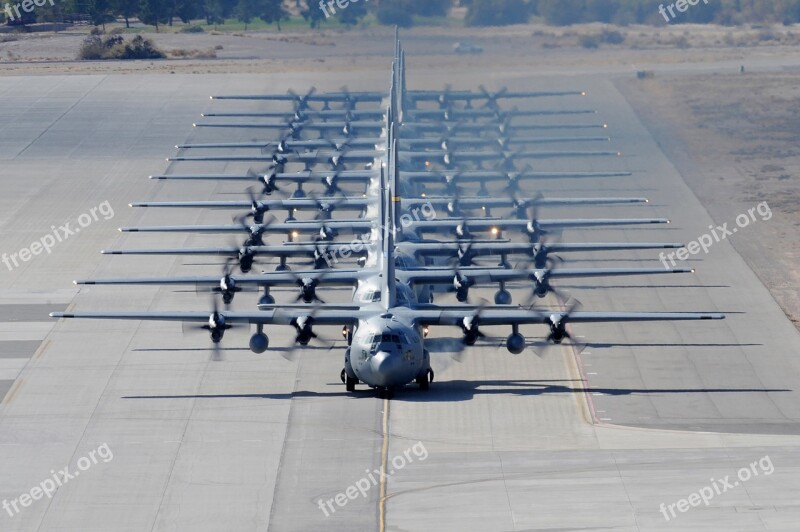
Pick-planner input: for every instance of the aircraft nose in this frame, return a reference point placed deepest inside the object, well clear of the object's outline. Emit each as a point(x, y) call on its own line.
point(386, 367)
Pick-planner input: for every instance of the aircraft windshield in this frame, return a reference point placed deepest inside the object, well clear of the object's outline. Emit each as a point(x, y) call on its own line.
point(371, 296)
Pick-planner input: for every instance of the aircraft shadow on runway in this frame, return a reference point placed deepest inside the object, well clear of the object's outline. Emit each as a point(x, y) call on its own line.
point(461, 390)
point(596, 287)
point(600, 345)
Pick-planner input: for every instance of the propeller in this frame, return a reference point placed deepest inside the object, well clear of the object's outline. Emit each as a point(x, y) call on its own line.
point(301, 102)
point(462, 283)
point(215, 326)
point(325, 206)
point(541, 257)
point(227, 286)
point(444, 98)
point(470, 326)
point(491, 98)
point(349, 102)
point(308, 288)
point(255, 233)
point(268, 179)
point(558, 330)
point(257, 208)
point(541, 286)
point(331, 184)
point(321, 258)
point(514, 179)
point(304, 329)
point(522, 206)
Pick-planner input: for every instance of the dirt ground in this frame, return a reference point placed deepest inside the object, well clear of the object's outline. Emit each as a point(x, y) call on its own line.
point(735, 140)
point(513, 47)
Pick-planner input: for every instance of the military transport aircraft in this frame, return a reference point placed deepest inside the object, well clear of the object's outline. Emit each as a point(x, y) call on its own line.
point(385, 323)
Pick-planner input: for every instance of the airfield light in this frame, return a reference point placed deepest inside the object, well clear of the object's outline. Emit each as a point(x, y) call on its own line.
point(605, 126)
point(424, 195)
point(425, 332)
point(344, 331)
point(495, 231)
point(583, 93)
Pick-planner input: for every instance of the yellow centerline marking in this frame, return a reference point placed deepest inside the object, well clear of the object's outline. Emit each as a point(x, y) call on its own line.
point(384, 464)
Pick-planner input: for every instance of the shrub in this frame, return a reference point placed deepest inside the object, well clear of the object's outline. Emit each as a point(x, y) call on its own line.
point(612, 37)
point(589, 41)
point(192, 29)
point(115, 47)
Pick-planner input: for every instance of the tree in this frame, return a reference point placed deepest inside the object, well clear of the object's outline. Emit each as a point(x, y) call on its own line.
point(99, 11)
point(188, 10)
point(273, 11)
point(247, 10)
point(126, 9)
point(154, 12)
point(429, 8)
point(498, 12)
point(562, 12)
point(353, 13)
point(313, 14)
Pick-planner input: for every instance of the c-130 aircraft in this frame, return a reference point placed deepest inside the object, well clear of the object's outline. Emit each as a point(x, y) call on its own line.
point(385, 325)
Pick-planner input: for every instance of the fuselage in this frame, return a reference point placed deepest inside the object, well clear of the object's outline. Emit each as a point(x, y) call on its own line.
point(386, 353)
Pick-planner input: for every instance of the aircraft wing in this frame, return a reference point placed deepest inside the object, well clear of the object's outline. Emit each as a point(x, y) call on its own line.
point(265, 279)
point(518, 316)
point(302, 176)
point(477, 203)
point(294, 203)
point(284, 250)
point(480, 224)
point(490, 275)
point(311, 156)
point(316, 126)
point(494, 155)
point(277, 316)
point(375, 97)
point(478, 176)
point(302, 227)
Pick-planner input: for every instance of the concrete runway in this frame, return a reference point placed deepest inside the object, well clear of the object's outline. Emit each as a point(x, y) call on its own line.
point(647, 414)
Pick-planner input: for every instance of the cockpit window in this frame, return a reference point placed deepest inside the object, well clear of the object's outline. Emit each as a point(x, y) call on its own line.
point(371, 296)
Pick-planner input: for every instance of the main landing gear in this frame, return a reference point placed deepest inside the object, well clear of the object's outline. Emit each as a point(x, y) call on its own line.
point(349, 382)
point(425, 380)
